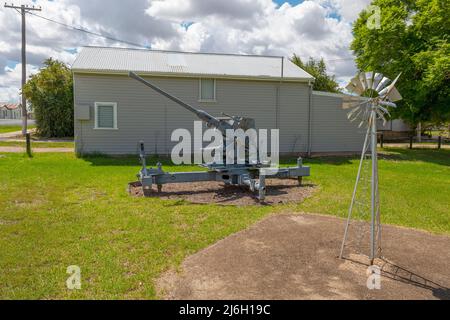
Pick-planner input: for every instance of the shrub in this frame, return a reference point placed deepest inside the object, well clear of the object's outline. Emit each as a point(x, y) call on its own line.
point(50, 93)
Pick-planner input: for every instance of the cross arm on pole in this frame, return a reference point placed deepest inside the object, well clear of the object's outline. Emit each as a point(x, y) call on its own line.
point(24, 7)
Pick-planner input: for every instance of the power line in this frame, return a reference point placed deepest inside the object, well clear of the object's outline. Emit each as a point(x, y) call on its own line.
point(88, 31)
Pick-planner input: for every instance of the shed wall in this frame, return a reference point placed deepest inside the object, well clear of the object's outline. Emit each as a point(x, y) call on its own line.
point(331, 129)
point(145, 115)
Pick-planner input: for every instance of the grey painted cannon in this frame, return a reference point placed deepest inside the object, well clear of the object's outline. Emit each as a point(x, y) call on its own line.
point(251, 174)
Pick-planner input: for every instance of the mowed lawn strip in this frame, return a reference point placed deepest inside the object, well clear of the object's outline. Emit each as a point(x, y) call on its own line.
point(58, 211)
point(13, 128)
point(36, 144)
point(414, 188)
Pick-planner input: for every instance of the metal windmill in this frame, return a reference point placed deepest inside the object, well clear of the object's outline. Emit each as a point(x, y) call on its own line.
point(373, 94)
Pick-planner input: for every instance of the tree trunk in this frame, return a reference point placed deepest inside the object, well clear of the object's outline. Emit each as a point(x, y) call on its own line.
point(419, 132)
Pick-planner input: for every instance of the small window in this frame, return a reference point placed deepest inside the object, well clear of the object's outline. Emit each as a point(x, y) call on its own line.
point(105, 115)
point(207, 90)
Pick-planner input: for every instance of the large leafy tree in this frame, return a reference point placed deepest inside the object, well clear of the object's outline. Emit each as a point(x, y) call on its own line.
point(50, 93)
point(413, 38)
point(318, 69)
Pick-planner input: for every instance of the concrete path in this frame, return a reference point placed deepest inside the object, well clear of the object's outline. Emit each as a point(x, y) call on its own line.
point(14, 135)
point(15, 122)
point(10, 135)
point(296, 257)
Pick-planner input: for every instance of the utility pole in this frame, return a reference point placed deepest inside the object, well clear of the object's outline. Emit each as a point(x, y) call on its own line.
point(23, 10)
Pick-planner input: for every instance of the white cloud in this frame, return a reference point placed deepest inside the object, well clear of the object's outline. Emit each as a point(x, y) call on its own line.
point(198, 9)
point(350, 9)
point(10, 81)
point(311, 28)
point(46, 39)
point(306, 29)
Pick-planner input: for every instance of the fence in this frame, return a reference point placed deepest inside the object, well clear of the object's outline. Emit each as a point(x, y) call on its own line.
point(412, 142)
point(6, 114)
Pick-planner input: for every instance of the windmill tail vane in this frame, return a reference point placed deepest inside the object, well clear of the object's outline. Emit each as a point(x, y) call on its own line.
point(371, 94)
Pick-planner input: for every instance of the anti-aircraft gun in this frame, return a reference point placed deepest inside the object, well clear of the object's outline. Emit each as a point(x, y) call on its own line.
point(251, 174)
point(221, 124)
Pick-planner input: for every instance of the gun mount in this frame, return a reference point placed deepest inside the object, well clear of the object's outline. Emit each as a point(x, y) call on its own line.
point(251, 175)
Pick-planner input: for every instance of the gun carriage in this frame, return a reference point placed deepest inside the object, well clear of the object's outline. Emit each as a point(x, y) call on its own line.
point(252, 175)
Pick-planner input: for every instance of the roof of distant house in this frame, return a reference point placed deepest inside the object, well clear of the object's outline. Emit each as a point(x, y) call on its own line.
point(10, 106)
point(174, 63)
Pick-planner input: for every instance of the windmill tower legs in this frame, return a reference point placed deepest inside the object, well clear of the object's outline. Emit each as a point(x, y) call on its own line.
point(375, 229)
point(374, 189)
point(374, 94)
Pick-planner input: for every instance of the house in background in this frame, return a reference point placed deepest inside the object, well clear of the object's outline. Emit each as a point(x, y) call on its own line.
point(113, 112)
point(10, 111)
point(395, 129)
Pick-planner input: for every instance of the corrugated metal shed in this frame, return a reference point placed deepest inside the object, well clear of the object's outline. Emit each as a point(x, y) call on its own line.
point(120, 60)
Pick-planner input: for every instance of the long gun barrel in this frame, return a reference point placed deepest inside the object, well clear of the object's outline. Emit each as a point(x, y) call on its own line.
point(203, 115)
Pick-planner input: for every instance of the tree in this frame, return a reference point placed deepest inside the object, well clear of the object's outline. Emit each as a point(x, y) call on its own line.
point(50, 93)
point(413, 39)
point(318, 69)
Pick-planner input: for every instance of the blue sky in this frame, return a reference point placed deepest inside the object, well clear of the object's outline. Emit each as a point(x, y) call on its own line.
point(292, 2)
point(334, 15)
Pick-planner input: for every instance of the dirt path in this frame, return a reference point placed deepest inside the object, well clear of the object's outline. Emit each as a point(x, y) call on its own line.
point(35, 150)
point(295, 257)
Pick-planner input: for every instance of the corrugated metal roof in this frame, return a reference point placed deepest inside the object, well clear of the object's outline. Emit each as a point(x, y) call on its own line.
point(10, 106)
point(99, 59)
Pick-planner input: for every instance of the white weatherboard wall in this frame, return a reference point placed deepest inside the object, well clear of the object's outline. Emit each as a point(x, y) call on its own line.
point(145, 115)
point(331, 129)
point(394, 125)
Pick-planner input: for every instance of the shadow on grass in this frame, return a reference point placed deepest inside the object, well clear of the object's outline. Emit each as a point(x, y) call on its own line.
point(440, 157)
point(101, 160)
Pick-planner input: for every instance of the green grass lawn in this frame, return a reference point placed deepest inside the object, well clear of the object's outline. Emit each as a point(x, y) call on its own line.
point(8, 129)
point(59, 211)
point(35, 144)
point(442, 133)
